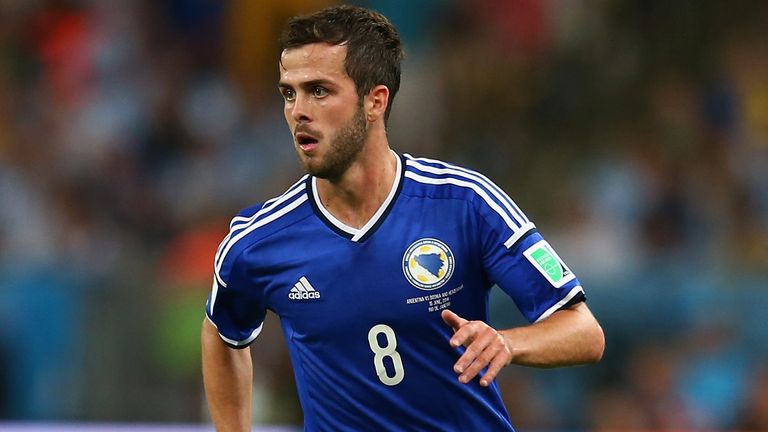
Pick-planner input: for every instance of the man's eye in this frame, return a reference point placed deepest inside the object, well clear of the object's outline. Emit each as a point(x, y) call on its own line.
point(289, 94)
point(319, 92)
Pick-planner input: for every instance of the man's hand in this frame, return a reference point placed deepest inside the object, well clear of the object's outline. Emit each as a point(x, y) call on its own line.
point(485, 347)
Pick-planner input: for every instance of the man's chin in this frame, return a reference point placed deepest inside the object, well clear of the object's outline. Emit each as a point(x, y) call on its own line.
point(316, 169)
point(307, 162)
point(312, 166)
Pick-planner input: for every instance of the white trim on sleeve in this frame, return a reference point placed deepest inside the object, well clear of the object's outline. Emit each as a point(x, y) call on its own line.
point(243, 342)
point(574, 291)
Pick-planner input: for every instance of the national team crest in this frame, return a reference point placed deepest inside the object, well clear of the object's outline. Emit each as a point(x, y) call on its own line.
point(428, 264)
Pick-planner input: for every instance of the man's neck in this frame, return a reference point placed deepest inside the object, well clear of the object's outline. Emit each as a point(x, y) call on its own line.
point(356, 197)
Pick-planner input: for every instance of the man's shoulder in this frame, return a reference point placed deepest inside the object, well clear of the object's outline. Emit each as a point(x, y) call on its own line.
point(439, 179)
point(272, 208)
point(263, 219)
point(435, 179)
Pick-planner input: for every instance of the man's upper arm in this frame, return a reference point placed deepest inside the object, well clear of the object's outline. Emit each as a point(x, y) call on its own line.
point(235, 306)
point(526, 267)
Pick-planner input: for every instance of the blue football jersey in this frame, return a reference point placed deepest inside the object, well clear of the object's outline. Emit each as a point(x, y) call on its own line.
point(360, 308)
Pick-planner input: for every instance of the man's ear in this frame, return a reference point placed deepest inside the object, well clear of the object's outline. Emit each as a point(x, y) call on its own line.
point(376, 103)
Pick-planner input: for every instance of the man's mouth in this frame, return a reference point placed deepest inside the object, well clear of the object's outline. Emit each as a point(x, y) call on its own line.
point(306, 141)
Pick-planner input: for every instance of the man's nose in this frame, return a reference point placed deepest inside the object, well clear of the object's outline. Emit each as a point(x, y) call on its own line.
point(301, 109)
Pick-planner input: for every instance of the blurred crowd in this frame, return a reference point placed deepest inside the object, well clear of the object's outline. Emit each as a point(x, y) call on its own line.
point(634, 133)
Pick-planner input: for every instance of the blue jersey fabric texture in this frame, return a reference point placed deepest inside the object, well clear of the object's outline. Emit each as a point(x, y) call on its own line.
point(360, 308)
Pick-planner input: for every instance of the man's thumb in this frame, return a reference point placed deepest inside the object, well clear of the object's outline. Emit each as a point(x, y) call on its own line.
point(452, 319)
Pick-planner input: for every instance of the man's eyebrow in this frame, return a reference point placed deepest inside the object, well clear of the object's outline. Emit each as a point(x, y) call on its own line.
point(308, 85)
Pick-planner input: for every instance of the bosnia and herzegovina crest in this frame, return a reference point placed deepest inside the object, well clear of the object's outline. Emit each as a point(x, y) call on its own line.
point(428, 264)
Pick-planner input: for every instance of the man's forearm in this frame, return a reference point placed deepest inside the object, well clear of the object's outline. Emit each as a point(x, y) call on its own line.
point(228, 377)
point(568, 337)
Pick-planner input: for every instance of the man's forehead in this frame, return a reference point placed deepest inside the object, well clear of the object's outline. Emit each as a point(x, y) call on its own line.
point(314, 55)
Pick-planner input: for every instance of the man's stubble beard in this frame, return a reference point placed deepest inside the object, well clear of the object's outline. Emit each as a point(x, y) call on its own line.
point(345, 145)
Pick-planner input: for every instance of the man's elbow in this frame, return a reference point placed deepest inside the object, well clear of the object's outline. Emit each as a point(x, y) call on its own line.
point(591, 337)
point(596, 344)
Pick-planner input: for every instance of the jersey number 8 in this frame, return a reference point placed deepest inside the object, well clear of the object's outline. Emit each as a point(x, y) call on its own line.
point(381, 352)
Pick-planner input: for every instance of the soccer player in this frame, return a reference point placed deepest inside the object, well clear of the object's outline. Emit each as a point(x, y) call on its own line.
point(378, 264)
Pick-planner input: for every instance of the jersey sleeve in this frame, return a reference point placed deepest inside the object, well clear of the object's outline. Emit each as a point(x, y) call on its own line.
point(524, 265)
point(235, 305)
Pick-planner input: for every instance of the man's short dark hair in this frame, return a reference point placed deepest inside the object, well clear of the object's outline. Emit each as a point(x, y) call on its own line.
point(374, 51)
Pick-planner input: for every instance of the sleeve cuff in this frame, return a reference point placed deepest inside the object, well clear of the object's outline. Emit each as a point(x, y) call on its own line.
point(576, 295)
point(238, 344)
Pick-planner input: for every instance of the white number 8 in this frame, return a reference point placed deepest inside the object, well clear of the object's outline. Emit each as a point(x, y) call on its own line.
point(380, 352)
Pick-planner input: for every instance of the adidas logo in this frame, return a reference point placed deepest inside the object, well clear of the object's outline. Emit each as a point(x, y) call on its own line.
point(303, 290)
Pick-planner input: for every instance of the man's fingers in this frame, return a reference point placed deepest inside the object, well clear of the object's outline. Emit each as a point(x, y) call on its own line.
point(453, 320)
point(480, 363)
point(485, 348)
point(464, 331)
point(464, 335)
point(494, 368)
point(477, 355)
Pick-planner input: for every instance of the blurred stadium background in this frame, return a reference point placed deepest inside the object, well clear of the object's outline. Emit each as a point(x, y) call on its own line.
point(635, 133)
